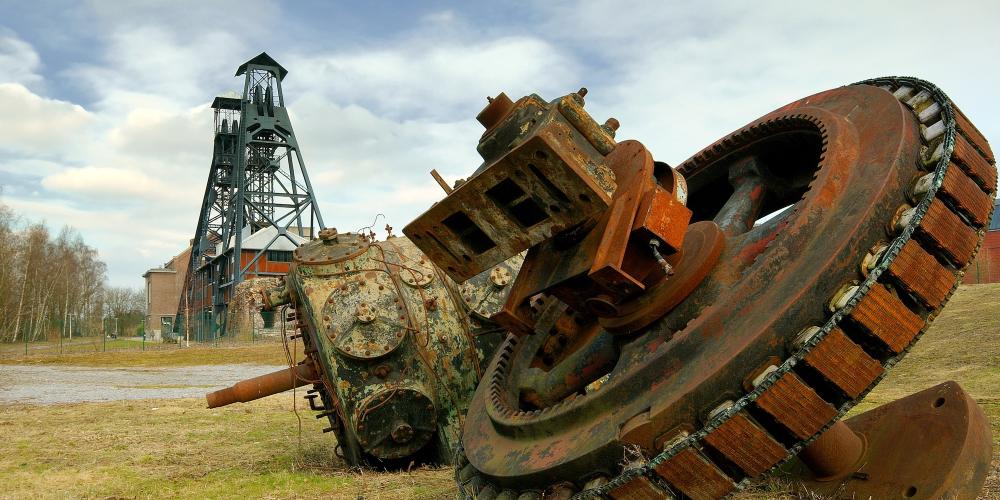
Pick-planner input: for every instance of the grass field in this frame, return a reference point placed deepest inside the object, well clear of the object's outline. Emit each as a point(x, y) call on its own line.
point(177, 448)
point(169, 355)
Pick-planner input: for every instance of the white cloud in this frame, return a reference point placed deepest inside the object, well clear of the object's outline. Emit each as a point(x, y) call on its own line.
point(19, 63)
point(107, 184)
point(37, 125)
point(175, 136)
point(374, 113)
point(424, 77)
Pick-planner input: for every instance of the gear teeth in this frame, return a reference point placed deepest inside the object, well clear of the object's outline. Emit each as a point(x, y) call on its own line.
point(966, 196)
point(945, 231)
point(638, 488)
point(970, 132)
point(872, 258)
point(560, 491)
point(489, 492)
point(887, 318)
point(920, 274)
point(466, 473)
point(933, 131)
point(596, 482)
point(843, 363)
point(930, 157)
point(930, 113)
point(804, 335)
point(843, 297)
point(977, 165)
point(746, 444)
point(903, 93)
point(796, 406)
point(695, 476)
point(916, 101)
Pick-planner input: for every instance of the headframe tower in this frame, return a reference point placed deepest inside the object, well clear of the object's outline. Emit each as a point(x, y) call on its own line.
point(257, 181)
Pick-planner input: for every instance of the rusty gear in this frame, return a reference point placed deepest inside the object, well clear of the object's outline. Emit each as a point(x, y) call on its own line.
point(801, 317)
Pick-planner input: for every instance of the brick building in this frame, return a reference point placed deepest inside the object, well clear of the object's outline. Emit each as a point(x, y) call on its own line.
point(163, 291)
point(986, 267)
point(264, 254)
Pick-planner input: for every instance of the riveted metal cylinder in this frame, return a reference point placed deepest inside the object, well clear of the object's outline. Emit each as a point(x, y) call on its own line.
point(399, 345)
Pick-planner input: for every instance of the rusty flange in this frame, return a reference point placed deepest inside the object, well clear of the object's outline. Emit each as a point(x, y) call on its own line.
point(932, 444)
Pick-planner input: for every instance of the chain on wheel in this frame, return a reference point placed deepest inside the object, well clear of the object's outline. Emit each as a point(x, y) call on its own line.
point(878, 196)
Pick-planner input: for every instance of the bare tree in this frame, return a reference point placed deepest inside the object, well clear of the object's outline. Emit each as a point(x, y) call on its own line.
point(52, 283)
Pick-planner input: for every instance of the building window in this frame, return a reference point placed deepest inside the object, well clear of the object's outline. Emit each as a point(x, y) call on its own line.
point(167, 324)
point(279, 256)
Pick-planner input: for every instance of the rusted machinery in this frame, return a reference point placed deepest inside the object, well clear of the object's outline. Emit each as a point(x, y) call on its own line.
point(393, 347)
point(680, 331)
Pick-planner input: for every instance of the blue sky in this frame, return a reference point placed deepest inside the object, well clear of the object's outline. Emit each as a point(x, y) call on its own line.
point(106, 125)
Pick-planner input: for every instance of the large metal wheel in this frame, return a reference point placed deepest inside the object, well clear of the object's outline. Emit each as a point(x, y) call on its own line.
point(845, 220)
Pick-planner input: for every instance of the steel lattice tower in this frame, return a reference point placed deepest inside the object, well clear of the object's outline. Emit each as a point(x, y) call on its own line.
point(257, 180)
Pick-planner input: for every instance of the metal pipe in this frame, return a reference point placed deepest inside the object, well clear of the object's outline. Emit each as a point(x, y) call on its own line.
point(263, 386)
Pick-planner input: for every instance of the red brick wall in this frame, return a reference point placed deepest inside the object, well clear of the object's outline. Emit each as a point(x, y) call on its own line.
point(986, 267)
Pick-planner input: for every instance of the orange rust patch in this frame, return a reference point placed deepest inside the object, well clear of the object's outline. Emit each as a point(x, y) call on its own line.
point(844, 363)
point(745, 444)
point(945, 231)
point(978, 167)
point(887, 318)
point(922, 275)
point(967, 129)
point(967, 196)
point(695, 476)
point(639, 488)
point(796, 406)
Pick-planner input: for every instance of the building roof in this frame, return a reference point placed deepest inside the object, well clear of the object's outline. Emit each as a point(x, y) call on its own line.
point(995, 225)
point(222, 102)
point(157, 270)
point(263, 59)
point(260, 239)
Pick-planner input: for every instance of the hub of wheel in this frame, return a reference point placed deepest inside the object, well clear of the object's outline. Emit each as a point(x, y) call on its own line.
point(682, 330)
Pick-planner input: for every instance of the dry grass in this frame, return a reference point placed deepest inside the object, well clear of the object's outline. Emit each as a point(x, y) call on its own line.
point(177, 448)
point(265, 353)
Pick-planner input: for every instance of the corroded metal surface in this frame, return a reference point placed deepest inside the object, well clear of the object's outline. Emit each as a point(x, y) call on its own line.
point(751, 363)
point(927, 445)
point(394, 347)
point(264, 385)
point(399, 347)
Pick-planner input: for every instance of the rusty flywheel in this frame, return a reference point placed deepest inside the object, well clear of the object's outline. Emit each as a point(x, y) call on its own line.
point(877, 196)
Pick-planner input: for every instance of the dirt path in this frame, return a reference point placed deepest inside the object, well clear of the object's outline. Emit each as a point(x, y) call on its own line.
point(74, 384)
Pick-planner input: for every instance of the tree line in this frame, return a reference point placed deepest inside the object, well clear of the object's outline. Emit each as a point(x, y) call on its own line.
point(55, 285)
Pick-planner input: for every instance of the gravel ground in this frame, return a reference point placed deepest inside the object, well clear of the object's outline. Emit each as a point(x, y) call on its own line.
point(76, 384)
